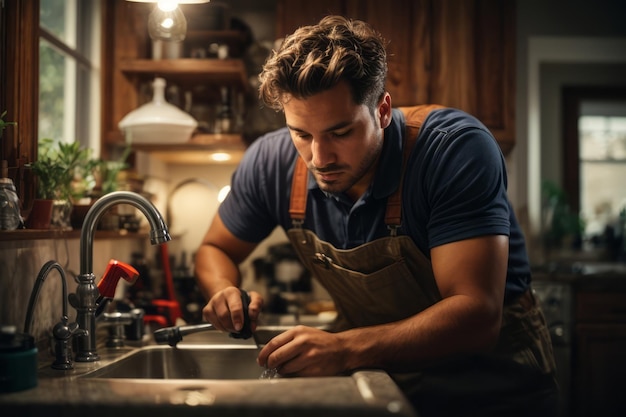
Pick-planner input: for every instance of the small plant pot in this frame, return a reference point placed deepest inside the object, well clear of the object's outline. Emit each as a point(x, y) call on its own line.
point(79, 211)
point(110, 220)
point(61, 212)
point(40, 215)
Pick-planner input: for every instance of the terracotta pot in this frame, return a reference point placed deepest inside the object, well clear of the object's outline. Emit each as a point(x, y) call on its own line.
point(40, 215)
point(79, 212)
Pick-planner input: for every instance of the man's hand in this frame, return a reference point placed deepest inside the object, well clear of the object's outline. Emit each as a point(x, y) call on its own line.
point(225, 310)
point(305, 351)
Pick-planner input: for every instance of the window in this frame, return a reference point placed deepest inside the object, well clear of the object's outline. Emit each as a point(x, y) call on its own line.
point(595, 159)
point(602, 144)
point(69, 71)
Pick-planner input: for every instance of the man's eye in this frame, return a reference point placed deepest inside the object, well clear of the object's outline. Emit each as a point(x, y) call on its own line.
point(341, 133)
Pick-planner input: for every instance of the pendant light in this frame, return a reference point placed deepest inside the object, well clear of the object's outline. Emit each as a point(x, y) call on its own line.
point(167, 22)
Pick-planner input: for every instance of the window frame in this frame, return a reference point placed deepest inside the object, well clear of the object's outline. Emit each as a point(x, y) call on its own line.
point(572, 98)
point(84, 125)
point(19, 90)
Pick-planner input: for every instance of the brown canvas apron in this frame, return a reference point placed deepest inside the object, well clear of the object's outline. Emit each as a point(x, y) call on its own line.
point(390, 279)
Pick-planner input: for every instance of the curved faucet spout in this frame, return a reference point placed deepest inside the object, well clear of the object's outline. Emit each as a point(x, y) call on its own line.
point(158, 233)
point(34, 295)
point(87, 291)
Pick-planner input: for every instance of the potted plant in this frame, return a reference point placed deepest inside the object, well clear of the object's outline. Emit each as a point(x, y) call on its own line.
point(109, 171)
point(62, 171)
point(106, 173)
point(563, 227)
point(93, 178)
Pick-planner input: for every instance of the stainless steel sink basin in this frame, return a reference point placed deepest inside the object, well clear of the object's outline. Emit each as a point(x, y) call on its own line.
point(165, 362)
point(218, 375)
point(207, 355)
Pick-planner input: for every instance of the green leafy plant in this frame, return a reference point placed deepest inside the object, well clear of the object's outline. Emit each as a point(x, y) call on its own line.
point(561, 221)
point(60, 167)
point(110, 169)
point(67, 171)
point(4, 124)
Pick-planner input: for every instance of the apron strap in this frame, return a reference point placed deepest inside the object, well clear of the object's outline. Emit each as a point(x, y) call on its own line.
point(414, 118)
point(299, 191)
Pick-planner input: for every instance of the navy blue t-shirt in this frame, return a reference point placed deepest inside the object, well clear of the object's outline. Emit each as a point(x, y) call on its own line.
point(454, 188)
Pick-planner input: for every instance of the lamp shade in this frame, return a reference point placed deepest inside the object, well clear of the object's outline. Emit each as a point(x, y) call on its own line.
point(179, 2)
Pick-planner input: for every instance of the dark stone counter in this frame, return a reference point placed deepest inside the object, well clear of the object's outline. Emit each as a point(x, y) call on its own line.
point(587, 276)
point(70, 393)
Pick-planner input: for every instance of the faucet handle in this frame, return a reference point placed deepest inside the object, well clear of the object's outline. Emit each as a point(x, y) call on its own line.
point(112, 274)
point(116, 323)
point(62, 333)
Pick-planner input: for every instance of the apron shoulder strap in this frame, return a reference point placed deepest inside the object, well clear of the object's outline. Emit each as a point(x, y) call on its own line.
point(414, 118)
point(297, 202)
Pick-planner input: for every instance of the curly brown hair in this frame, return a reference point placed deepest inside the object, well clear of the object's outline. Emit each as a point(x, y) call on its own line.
point(316, 58)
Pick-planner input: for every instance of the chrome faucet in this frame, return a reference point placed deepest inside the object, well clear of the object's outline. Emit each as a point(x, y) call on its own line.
point(87, 291)
point(63, 331)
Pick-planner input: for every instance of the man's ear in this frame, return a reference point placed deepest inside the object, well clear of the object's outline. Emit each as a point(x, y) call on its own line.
point(384, 111)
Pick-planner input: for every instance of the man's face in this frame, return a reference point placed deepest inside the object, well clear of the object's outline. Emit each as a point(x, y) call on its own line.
point(339, 140)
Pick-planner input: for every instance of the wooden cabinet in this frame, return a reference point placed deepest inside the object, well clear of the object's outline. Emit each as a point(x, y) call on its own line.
point(600, 355)
point(129, 69)
point(456, 53)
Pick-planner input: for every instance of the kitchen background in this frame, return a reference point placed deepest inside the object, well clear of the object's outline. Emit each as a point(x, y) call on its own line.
point(558, 44)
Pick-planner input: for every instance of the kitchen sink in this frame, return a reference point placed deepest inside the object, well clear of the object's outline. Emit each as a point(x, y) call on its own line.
point(209, 354)
point(209, 373)
point(185, 362)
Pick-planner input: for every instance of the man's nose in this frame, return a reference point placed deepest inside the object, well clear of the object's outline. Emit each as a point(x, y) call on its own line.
point(322, 153)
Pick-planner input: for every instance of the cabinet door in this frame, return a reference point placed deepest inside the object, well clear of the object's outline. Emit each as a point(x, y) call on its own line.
point(472, 61)
point(397, 25)
point(408, 45)
point(457, 53)
point(291, 14)
point(600, 369)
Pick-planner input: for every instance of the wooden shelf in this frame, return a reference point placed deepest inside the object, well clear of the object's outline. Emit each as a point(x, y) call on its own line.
point(207, 36)
point(226, 71)
point(130, 70)
point(41, 234)
point(200, 149)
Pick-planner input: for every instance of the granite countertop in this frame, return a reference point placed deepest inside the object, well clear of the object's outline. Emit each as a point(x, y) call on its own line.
point(587, 276)
point(70, 393)
point(126, 397)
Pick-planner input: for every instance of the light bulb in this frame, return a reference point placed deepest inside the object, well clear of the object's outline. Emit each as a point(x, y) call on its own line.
point(167, 22)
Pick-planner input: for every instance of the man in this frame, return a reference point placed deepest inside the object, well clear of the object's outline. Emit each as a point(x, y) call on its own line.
point(403, 217)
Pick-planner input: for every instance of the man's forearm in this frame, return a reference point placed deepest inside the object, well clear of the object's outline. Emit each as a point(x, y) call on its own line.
point(452, 327)
point(215, 271)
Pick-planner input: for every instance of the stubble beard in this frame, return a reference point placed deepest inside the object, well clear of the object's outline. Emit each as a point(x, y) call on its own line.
point(347, 180)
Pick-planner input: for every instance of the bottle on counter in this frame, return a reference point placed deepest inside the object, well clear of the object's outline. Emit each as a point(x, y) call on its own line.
point(10, 218)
